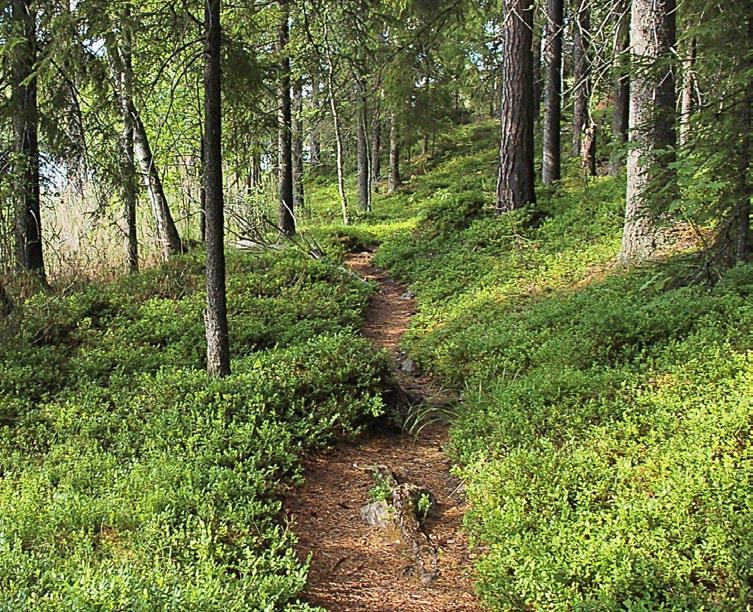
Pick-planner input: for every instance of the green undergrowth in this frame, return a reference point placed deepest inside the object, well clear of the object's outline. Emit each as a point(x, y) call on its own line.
point(128, 479)
point(605, 428)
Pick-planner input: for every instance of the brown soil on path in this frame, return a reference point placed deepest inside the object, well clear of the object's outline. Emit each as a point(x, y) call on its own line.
point(358, 567)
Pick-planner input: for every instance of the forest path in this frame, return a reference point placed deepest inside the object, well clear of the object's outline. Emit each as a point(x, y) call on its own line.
point(356, 566)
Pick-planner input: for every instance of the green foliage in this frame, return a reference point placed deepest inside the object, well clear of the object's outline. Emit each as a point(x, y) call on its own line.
point(382, 490)
point(130, 480)
point(604, 434)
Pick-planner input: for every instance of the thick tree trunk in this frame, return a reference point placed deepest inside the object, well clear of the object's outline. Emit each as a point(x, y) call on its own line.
point(393, 180)
point(581, 72)
point(740, 245)
point(515, 179)
point(286, 217)
point(215, 317)
point(550, 171)
point(621, 90)
point(686, 98)
point(376, 150)
point(364, 171)
point(28, 222)
point(6, 306)
point(128, 177)
point(315, 149)
point(298, 189)
point(652, 127)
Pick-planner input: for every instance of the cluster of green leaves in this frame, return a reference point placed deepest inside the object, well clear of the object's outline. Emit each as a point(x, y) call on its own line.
point(128, 478)
point(605, 430)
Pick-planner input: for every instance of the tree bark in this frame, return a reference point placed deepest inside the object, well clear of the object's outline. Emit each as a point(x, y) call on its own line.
point(538, 77)
point(740, 245)
point(686, 97)
point(393, 180)
point(376, 150)
point(28, 222)
point(621, 90)
point(215, 318)
point(128, 175)
point(315, 153)
point(581, 72)
point(167, 232)
point(364, 171)
point(339, 147)
point(515, 179)
point(298, 189)
point(551, 164)
point(650, 184)
point(6, 306)
point(286, 216)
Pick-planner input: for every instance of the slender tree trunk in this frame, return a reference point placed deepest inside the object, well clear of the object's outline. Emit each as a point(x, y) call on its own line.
point(581, 72)
point(621, 90)
point(650, 184)
point(167, 232)
point(215, 318)
point(515, 179)
point(284, 125)
point(315, 153)
point(550, 171)
point(298, 189)
point(393, 180)
point(336, 125)
point(128, 177)
point(376, 150)
point(538, 77)
point(688, 87)
point(203, 193)
point(364, 171)
point(28, 222)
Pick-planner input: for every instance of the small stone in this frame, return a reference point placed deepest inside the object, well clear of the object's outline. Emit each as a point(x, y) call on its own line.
point(376, 514)
point(408, 295)
point(408, 366)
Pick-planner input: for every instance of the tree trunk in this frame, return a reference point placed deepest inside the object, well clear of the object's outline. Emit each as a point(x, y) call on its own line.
point(581, 72)
point(28, 222)
point(315, 153)
point(538, 78)
point(550, 171)
point(393, 180)
point(298, 189)
point(286, 217)
point(215, 318)
point(128, 177)
point(203, 194)
point(650, 184)
point(6, 306)
point(621, 90)
point(167, 232)
point(376, 150)
point(364, 171)
point(686, 98)
point(740, 232)
point(515, 179)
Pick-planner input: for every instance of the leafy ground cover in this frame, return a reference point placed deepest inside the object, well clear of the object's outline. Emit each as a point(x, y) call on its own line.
point(128, 479)
point(605, 430)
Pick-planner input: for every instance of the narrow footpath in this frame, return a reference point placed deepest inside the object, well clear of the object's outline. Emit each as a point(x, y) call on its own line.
point(355, 566)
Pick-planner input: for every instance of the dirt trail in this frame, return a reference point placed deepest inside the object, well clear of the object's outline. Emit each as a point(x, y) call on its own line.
point(358, 567)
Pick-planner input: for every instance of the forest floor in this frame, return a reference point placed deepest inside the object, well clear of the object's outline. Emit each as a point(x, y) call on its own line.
point(355, 566)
